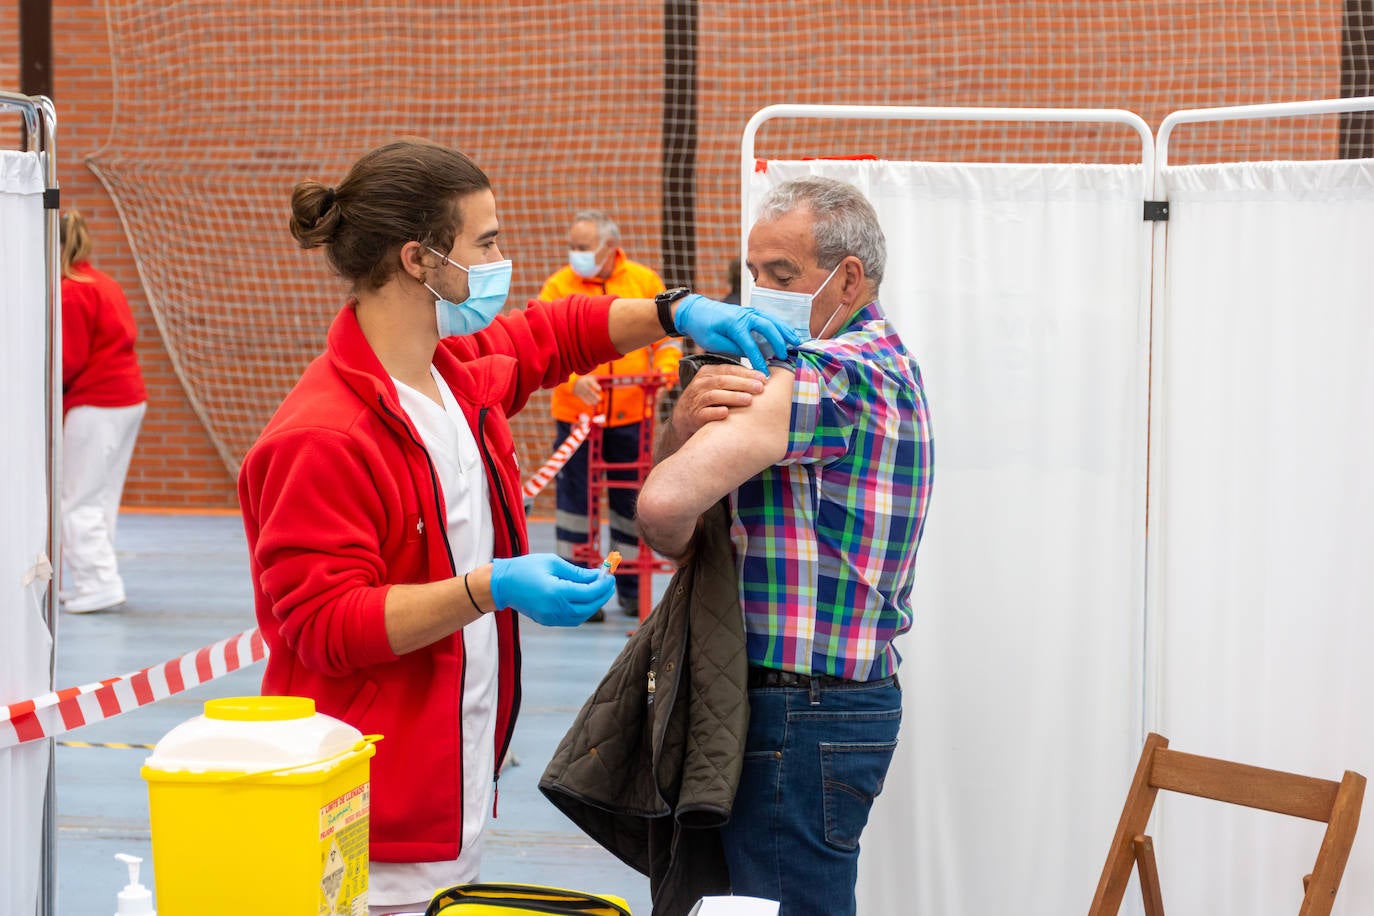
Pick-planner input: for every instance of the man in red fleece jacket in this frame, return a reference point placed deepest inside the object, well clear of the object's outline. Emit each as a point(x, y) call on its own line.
point(382, 502)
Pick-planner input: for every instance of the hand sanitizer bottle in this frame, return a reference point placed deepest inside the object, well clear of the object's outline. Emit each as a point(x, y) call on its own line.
point(135, 899)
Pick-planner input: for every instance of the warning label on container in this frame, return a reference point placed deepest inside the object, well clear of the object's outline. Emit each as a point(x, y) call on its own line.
point(343, 853)
point(333, 876)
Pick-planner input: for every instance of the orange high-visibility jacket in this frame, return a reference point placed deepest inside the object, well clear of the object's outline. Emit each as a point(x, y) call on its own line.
point(621, 405)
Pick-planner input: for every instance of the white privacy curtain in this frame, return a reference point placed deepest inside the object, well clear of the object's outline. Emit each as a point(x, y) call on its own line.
point(1262, 550)
point(25, 643)
point(1022, 292)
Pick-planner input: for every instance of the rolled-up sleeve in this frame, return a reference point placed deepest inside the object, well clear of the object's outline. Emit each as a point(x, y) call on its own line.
point(823, 410)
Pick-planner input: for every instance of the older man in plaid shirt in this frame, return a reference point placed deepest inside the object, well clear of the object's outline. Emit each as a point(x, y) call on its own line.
point(827, 462)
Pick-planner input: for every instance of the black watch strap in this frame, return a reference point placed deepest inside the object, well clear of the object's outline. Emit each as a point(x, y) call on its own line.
point(664, 301)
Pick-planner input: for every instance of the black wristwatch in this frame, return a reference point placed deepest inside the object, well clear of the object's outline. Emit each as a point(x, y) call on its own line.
point(664, 301)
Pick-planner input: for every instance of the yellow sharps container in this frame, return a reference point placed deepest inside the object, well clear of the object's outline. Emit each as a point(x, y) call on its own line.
point(260, 806)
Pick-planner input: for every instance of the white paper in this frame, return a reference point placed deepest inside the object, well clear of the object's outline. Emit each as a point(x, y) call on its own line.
point(734, 906)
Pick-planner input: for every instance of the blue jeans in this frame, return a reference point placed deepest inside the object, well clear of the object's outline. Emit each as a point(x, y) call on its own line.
point(814, 761)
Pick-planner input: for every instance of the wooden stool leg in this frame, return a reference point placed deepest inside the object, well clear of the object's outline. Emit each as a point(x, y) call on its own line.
point(1149, 875)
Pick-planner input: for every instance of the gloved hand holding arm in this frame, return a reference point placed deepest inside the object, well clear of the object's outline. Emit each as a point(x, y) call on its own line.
point(720, 327)
point(548, 589)
point(717, 326)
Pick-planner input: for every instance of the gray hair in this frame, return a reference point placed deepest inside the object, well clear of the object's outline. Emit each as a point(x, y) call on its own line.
point(606, 229)
point(846, 223)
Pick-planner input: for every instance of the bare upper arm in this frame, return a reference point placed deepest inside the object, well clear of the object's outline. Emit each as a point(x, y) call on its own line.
point(723, 454)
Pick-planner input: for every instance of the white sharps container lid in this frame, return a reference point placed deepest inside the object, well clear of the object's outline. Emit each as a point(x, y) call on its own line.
point(247, 734)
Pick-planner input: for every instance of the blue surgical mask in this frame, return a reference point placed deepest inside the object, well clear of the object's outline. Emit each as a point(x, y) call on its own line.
point(584, 264)
point(488, 286)
point(792, 309)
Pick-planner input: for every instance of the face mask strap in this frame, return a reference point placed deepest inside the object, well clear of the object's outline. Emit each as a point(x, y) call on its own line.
point(826, 326)
point(828, 279)
point(447, 260)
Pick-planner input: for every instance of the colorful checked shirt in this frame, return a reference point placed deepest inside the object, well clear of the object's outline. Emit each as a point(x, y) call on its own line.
point(826, 539)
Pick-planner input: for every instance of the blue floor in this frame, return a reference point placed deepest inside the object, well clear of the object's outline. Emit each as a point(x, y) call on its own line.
point(187, 581)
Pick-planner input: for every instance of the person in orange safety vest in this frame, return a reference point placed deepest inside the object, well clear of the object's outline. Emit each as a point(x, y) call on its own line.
point(597, 265)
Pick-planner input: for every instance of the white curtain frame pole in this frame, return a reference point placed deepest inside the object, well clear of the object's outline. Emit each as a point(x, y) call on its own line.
point(40, 131)
point(1154, 570)
point(1250, 112)
point(927, 113)
point(52, 222)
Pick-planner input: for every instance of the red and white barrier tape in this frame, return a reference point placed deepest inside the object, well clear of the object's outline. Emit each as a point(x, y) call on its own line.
point(72, 707)
point(560, 455)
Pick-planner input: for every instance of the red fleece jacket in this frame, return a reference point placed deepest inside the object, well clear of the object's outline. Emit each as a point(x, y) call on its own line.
point(340, 502)
point(99, 367)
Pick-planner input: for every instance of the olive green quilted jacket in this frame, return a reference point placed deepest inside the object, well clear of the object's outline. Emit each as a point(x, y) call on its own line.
point(650, 766)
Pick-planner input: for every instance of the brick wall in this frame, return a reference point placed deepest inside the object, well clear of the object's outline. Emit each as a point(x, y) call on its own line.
point(562, 112)
point(175, 464)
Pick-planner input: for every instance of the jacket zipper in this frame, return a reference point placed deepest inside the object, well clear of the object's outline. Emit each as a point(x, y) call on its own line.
point(433, 480)
point(453, 570)
point(514, 543)
point(491, 469)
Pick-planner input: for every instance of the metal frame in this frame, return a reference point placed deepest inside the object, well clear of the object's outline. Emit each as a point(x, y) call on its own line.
point(1246, 113)
point(645, 562)
point(927, 113)
point(1159, 268)
point(40, 136)
point(1148, 190)
point(1155, 158)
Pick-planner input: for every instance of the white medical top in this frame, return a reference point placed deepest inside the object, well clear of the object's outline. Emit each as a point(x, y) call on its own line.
point(445, 434)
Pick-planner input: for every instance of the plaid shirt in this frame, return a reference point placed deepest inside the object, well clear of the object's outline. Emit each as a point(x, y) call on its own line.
point(826, 540)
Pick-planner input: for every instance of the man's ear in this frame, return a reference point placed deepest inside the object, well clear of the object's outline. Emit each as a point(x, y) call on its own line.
point(414, 260)
point(852, 270)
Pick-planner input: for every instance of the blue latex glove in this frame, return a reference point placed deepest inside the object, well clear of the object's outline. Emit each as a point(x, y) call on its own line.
point(548, 589)
point(723, 328)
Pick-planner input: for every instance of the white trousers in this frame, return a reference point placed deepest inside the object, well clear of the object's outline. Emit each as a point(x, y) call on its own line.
point(97, 444)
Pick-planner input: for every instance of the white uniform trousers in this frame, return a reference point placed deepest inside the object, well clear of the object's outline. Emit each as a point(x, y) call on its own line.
point(97, 444)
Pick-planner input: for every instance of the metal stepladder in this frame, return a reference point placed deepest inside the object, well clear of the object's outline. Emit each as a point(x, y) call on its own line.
point(644, 563)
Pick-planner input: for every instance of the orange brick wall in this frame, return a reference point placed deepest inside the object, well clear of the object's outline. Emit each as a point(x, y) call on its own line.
point(572, 148)
point(175, 464)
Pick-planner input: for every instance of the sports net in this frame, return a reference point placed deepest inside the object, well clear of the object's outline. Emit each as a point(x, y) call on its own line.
point(634, 108)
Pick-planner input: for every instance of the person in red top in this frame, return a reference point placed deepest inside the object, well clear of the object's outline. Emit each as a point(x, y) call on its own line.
point(103, 402)
point(382, 502)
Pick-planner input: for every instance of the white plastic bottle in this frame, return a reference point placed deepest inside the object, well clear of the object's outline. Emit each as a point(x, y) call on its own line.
point(135, 899)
